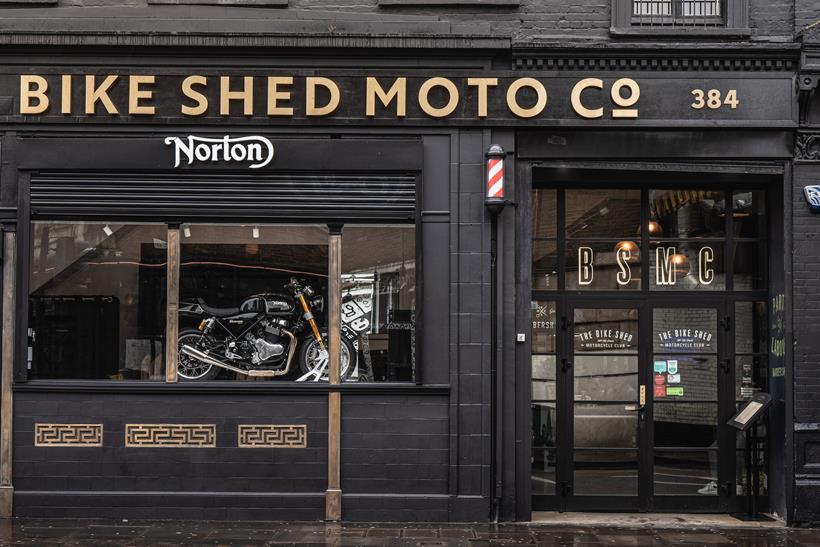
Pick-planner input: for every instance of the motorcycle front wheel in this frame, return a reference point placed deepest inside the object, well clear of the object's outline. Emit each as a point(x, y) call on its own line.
point(312, 360)
point(190, 369)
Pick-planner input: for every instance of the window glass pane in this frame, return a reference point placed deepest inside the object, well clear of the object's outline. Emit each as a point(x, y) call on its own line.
point(543, 449)
point(749, 267)
point(603, 265)
point(605, 426)
point(686, 473)
point(684, 330)
point(544, 264)
point(543, 326)
point(749, 214)
point(687, 213)
point(687, 266)
point(606, 330)
point(684, 377)
point(743, 487)
point(652, 7)
point(606, 377)
point(379, 300)
point(603, 213)
point(751, 327)
point(606, 473)
point(543, 377)
point(97, 300)
point(544, 213)
point(750, 375)
point(242, 289)
point(686, 424)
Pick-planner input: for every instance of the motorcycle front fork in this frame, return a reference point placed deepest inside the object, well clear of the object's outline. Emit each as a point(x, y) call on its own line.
point(309, 317)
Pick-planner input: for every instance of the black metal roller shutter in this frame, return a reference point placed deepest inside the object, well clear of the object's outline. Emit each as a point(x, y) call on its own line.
point(265, 197)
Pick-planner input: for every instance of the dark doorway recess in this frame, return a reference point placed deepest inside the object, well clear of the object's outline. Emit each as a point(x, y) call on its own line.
point(649, 309)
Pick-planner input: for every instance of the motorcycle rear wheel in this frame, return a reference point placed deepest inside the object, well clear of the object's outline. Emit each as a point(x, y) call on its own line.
point(310, 358)
point(190, 369)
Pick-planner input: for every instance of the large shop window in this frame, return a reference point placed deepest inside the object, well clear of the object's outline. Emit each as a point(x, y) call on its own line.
point(97, 300)
point(379, 301)
point(252, 301)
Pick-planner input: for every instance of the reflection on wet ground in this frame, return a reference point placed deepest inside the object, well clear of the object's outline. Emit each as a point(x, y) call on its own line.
point(160, 533)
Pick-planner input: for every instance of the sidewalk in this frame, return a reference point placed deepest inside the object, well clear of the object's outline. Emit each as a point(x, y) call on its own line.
point(41, 532)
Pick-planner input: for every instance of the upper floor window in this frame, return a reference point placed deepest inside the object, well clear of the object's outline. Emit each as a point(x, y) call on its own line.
point(726, 17)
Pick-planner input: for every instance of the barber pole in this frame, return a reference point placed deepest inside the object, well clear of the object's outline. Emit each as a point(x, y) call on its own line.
point(495, 177)
point(494, 199)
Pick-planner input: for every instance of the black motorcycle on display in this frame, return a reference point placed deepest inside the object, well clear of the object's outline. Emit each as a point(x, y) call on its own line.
point(260, 338)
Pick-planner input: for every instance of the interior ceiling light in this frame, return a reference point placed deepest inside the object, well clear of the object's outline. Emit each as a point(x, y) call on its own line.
point(107, 230)
point(186, 230)
point(255, 232)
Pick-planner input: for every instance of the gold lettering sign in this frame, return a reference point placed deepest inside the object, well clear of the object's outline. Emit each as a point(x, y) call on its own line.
point(314, 96)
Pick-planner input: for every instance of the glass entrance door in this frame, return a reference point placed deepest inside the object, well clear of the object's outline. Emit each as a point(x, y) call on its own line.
point(629, 402)
point(605, 399)
point(688, 436)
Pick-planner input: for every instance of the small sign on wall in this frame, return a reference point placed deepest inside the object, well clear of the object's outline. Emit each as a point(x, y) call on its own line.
point(812, 194)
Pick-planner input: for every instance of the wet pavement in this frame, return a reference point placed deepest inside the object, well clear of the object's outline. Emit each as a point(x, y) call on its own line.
point(42, 532)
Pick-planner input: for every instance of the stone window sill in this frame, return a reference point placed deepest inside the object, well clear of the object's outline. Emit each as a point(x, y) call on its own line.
point(682, 32)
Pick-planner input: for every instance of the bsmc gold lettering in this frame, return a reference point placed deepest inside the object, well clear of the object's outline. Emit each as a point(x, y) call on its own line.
point(438, 97)
point(670, 265)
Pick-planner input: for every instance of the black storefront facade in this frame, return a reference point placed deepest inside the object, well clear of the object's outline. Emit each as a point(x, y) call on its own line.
point(581, 349)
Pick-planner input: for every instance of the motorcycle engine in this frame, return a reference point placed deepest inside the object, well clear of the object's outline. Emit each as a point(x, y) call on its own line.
point(266, 343)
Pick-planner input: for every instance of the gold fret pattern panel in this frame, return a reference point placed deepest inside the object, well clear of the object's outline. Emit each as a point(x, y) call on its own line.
point(170, 435)
point(272, 436)
point(73, 435)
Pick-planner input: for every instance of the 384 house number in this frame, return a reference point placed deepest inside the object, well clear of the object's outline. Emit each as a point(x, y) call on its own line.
point(714, 99)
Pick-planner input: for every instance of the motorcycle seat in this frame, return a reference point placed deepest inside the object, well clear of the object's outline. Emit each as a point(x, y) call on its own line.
point(219, 312)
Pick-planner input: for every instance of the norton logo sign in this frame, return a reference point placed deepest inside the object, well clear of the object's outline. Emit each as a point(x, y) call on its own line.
point(254, 149)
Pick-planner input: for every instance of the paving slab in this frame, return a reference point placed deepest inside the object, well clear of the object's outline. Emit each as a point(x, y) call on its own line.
point(567, 530)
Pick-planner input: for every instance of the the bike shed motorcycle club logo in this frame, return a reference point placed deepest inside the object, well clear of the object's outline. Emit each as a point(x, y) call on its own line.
point(253, 149)
point(813, 197)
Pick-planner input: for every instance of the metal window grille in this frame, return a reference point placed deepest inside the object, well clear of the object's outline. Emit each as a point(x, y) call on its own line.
point(678, 13)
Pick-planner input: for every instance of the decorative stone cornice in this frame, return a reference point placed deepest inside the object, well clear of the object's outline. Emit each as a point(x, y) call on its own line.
point(657, 56)
point(655, 63)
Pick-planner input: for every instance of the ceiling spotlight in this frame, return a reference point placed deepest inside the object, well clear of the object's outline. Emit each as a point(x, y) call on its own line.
point(107, 230)
point(630, 249)
point(655, 229)
point(256, 232)
point(186, 230)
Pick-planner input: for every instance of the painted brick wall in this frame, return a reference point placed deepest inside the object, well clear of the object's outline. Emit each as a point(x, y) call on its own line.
point(546, 19)
point(395, 451)
point(806, 313)
point(806, 264)
point(204, 482)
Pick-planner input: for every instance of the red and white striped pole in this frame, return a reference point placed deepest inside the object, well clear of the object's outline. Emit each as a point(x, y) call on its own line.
point(494, 198)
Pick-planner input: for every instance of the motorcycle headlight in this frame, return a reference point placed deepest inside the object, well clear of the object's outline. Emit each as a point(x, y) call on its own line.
point(318, 304)
point(308, 290)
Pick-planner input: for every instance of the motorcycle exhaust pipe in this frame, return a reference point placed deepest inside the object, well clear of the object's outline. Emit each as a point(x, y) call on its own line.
point(205, 358)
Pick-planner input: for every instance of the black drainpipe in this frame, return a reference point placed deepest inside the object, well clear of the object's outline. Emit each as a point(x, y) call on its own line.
point(495, 204)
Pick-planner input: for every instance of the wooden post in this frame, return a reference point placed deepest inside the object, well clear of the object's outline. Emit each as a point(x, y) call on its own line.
point(333, 497)
point(7, 373)
point(172, 308)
